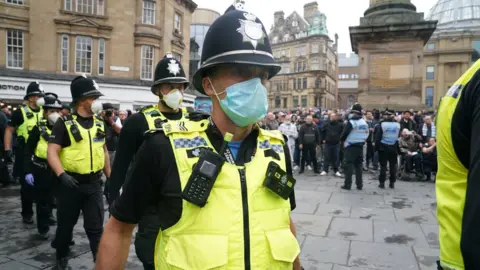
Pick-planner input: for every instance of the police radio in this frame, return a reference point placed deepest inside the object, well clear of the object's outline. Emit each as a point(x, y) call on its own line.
point(278, 181)
point(76, 133)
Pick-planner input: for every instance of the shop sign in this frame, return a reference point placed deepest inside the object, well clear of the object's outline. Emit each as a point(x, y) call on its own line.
point(12, 87)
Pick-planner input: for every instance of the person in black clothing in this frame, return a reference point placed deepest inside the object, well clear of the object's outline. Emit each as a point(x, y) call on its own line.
point(5, 178)
point(309, 139)
point(37, 171)
point(430, 158)
point(112, 130)
point(132, 136)
point(330, 137)
point(407, 122)
point(369, 149)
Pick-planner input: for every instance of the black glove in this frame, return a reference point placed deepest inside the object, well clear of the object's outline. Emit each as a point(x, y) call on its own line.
point(68, 180)
point(8, 156)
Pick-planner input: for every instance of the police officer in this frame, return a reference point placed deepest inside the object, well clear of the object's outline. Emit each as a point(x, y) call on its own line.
point(457, 189)
point(169, 84)
point(244, 225)
point(37, 172)
point(386, 143)
point(354, 136)
point(77, 154)
point(23, 120)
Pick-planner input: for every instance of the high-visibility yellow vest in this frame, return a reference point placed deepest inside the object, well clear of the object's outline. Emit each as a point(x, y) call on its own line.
point(30, 119)
point(155, 118)
point(42, 145)
point(243, 223)
point(451, 181)
point(86, 156)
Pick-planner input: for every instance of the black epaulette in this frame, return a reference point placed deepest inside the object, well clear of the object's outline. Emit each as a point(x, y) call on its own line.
point(152, 132)
point(67, 117)
point(146, 108)
point(198, 116)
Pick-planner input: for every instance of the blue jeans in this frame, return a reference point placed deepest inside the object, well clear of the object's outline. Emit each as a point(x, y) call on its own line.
point(331, 153)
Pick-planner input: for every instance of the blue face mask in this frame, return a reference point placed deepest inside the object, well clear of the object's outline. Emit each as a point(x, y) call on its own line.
point(350, 116)
point(245, 103)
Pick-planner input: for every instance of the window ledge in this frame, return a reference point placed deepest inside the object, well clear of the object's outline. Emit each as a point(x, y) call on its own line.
point(148, 26)
point(74, 13)
point(176, 34)
point(4, 4)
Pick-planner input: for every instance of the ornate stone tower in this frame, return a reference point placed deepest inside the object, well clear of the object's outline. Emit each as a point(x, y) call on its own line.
point(389, 42)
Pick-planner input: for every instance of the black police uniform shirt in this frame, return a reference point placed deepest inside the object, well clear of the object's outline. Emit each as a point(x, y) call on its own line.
point(17, 117)
point(154, 180)
point(60, 135)
point(131, 138)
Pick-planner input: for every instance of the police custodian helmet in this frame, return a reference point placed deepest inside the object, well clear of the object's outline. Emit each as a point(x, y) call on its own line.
point(82, 86)
point(236, 37)
point(34, 89)
point(52, 101)
point(169, 70)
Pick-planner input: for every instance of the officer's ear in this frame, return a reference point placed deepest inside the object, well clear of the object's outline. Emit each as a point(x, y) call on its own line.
point(208, 86)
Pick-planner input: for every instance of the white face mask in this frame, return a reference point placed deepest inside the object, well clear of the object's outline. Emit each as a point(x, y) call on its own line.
point(53, 117)
point(40, 101)
point(96, 106)
point(173, 99)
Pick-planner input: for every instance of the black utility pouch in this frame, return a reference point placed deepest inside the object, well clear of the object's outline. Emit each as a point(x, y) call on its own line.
point(278, 181)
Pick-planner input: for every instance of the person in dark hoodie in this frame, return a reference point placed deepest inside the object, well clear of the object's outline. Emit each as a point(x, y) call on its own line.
point(354, 136)
point(309, 139)
point(407, 122)
point(330, 138)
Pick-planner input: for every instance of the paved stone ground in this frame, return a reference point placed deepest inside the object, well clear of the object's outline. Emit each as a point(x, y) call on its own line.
point(337, 230)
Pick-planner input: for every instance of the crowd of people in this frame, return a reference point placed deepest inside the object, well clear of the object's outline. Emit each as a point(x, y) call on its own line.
point(316, 140)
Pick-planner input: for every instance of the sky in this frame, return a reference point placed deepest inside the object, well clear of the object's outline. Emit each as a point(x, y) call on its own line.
point(340, 13)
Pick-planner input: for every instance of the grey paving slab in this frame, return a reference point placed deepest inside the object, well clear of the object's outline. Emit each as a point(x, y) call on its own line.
point(427, 258)
point(336, 210)
point(18, 242)
point(431, 234)
point(382, 256)
point(351, 229)
point(399, 233)
point(350, 198)
point(41, 256)
point(311, 224)
point(375, 213)
point(13, 265)
point(415, 215)
point(312, 196)
point(317, 266)
point(342, 267)
point(324, 250)
point(301, 239)
point(305, 207)
point(4, 260)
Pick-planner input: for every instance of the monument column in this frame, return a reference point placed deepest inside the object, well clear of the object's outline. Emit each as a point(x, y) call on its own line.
point(389, 42)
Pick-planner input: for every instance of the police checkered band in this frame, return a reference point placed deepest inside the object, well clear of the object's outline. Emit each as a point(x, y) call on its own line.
point(190, 143)
point(275, 147)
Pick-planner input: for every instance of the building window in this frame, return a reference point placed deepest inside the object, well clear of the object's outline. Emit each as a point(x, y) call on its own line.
point(286, 37)
point(177, 56)
point(101, 56)
point(284, 102)
point(314, 64)
point(68, 5)
point(294, 23)
point(304, 83)
point(350, 101)
point(294, 83)
point(16, 2)
point(101, 7)
point(295, 101)
point(65, 49)
point(304, 66)
point(147, 63)
point(299, 83)
point(430, 72)
point(285, 68)
point(304, 101)
point(429, 96)
point(15, 49)
point(300, 51)
point(278, 102)
point(431, 46)
point(275, 40)
point(318, 83)
point(85, 6)
point(148, 16)
point(476, 50)
point(83, 55)
point(178, 22)
point(315, 48)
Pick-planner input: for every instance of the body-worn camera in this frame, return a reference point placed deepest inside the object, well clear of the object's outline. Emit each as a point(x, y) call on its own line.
point(278, 181)
point(203, 177)
point(108, 113)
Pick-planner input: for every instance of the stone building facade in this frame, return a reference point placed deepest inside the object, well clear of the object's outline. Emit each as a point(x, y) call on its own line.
point(308, 57)
point(453, 47)
point(348, 75)
point(116, 42)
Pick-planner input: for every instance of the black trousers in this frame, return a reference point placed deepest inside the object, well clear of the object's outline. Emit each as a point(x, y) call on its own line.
point(353, 162)
point(18, 165)
point(414, 160)
point(370, 154)
point(88, 198)
point(145, 239)
point(309, 151)
point(388, 156)
point(43, 189)
point(331, 152)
